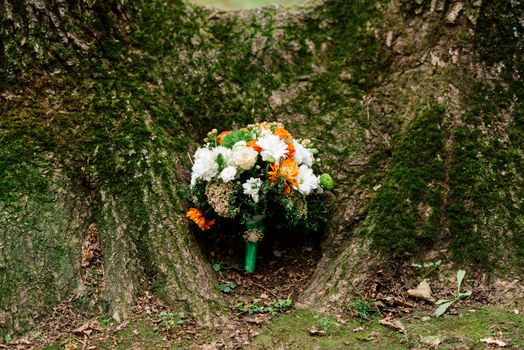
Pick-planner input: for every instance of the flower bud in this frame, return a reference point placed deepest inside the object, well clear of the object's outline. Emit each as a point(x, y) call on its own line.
point(326, 181)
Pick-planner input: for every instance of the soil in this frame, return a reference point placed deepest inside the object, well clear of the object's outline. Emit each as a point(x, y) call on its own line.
point(284, 266)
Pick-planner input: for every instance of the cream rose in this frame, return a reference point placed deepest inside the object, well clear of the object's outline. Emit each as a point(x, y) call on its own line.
point(244, 157)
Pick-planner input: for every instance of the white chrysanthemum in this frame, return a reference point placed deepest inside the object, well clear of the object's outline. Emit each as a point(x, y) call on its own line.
point(307, 181)
point(225, 152)
point(251, 188)
point(244, 157)
point(273, 148)
point(228, 174)
point(302, 154)
point(205, 166)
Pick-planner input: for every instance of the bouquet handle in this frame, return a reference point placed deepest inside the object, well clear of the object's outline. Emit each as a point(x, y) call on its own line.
point(251, 256)
point(254, 232)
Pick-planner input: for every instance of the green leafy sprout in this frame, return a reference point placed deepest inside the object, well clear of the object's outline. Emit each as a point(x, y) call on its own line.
point(363, 308)
point(226, 287)
point(444, 304)
point(171, 320)
point(256, 308)
point(425, 269)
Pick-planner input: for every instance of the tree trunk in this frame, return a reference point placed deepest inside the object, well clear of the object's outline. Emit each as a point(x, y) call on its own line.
point(415, 106)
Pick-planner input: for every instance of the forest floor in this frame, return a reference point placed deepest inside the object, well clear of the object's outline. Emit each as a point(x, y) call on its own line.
point(264, 316)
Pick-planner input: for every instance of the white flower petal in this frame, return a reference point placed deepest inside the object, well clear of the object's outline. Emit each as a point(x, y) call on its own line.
point(273, 148)
point(307, 181)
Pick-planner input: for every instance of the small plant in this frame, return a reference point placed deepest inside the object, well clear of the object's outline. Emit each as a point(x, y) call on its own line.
point(280, 304)
point(325, 325)
point(426, 269)
point(255, 307)
point(221, 266)
point(105, 321)
point(170, 319)
point(363, 308)
point(444, 303)
point(226, 287)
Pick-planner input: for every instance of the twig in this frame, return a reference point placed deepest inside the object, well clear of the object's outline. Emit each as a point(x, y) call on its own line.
point(264, 288)
point(84, 346)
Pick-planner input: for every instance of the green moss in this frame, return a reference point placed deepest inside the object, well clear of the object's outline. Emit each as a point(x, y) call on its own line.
point(484, 181)
point(291, 331)
point(405, 214)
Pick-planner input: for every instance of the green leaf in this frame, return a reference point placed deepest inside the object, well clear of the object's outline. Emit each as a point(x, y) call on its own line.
point(463, 295)
point(460, 277)
point(236, 135)
point(442, 308)
point(221, 161)
point(217, 267)
point(227, 287)
point(442, 301)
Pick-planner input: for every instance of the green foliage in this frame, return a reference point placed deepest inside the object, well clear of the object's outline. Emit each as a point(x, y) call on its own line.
point(235, 136)
point(325, 325)
point(255, 307)
point(444, 304)
point(363, 308)
point(226, 287)
point(105, 321)
point(425, 269)
point(170, 320)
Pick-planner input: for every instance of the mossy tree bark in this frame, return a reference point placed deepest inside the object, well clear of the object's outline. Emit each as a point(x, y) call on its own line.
point(415, 105)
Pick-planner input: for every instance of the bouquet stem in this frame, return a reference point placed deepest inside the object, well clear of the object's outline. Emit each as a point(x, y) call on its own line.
point(254, 232)
point(251, 256)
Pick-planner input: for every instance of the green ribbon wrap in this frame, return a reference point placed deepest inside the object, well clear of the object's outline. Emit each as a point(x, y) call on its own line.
point(256, 223)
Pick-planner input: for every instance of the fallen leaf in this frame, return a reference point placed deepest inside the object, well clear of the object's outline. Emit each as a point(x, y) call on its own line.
point(395, 324)
point(492, 341)
point(431, 340)
point(71, 346)
point(255, 320)
point(314, 331)
point(358, 329)
point(423, 291)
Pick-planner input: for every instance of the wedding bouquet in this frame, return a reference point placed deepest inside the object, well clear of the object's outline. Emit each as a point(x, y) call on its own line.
point(254, 173)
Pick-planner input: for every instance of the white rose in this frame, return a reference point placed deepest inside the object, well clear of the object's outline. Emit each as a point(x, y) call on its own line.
point(244, 157)
point(228, 173)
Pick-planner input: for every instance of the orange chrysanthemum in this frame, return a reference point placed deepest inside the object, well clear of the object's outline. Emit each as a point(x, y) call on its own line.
point(253, 144)
point(288, 170)
point(220, 136)
point(290, 150)
point(283, 134)
point(198, 218)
